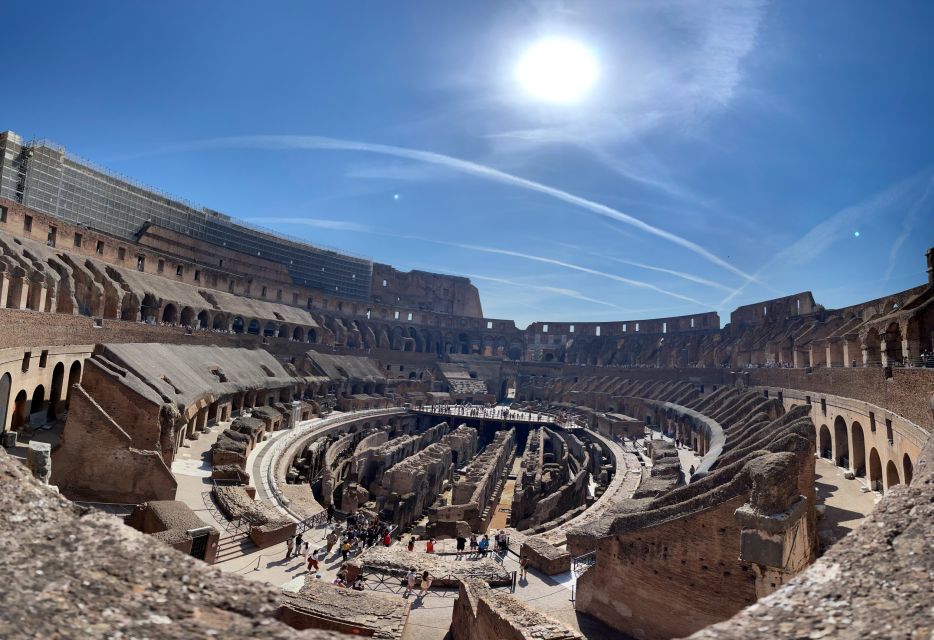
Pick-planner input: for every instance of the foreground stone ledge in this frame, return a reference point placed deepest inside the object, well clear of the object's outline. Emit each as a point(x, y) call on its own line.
point(875, 583)
point(68, 572)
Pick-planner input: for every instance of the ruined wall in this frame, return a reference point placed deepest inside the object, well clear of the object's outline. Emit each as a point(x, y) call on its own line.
point(125, 474)
point(481, 614)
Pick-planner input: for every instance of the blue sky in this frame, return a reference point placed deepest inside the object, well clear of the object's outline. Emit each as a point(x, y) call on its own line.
point(727, 153)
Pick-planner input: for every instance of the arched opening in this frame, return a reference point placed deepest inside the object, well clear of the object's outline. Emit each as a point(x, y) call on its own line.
point(908, 469)
point(188, 317)
point(464, 343)
point(298, 335)
point(74, 377)
point(220, 322)
point(283, 331)
point(149, 308)
point(514, 352)
point(20, 410)
point(129, 308)
point(38, 400)
point(875, 470)
point(237, 326)
point(253, 327)
point(871, 344)
point(55, 393)
point(312, 336)
point(858, 463)
point(169, 314)
point(825, 443)
point(893, 345)
point(5, 382)
point(841, 443)
point(891, 475)
point(204, 319)
point(269, 330)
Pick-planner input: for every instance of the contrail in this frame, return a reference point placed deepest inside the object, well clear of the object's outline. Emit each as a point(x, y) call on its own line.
point(570, 293)
point(680, 274)
point(471, 168)
point(503, 252)
point(567, 265)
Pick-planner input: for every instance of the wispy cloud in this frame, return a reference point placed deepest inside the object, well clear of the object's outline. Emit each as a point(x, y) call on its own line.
point(469, 168)
point(908, 224)
point(842, 224)
point(678, 274)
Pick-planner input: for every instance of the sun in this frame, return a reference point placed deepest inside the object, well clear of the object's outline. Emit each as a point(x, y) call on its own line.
point(557, 70)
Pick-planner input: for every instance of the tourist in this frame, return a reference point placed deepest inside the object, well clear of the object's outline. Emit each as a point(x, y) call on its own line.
point(523, 567)
point(330, 511)
point(312, 562)
point(299, 544)
point(426, 583)
point(411, 545)
point(484, 545)
point(410, 579)
point(289, 546)
point(331, 540)
point(430, 546)
point(473, 544)
point(358, 584)
point(461, 545)
point(345, 549)
point(387, 539)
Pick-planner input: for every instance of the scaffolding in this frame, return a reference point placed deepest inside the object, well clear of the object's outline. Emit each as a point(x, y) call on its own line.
point(42, 175)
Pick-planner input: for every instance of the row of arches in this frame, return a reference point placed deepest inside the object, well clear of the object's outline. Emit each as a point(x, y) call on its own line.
point(845, 446)
point(38, 402)
point(231, 323)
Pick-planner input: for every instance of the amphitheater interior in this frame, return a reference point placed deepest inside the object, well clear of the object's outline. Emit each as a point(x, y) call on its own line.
point(175, 412)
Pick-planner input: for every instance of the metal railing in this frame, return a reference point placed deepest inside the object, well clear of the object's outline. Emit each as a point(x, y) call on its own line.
point(393, 582)
point(582, 563)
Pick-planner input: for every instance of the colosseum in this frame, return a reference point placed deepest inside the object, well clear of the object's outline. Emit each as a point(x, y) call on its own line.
point(210, 430)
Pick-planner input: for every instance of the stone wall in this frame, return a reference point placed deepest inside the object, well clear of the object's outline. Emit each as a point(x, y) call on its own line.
point(481, 613)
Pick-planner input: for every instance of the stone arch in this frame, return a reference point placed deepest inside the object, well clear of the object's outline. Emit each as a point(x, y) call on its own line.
point(463, 343)
point(269, 330)
point(514, 352)
point(148, 308)
point(298, 335)
point(841, 446)
point(283, 331)
point(170, 314)
point(875, 470)
point(891, 475)
point(311, 337)
point(74, 377)
point(204, 319)
point(238, 325)
point(55, 392)
point(220, 322)
point(20, 410)
point(187, 317)
point(908, 469)
point(5, 382)
point(253, 327)
point(858, 458)
point(38, 400)
point(871, 344)
point(893, 346)
point(824, 443)
point(130, 307)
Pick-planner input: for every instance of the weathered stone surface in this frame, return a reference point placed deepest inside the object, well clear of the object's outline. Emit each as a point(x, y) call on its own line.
point(445, 569)
point(69, 572)
point(322, 605)
point(480, 613)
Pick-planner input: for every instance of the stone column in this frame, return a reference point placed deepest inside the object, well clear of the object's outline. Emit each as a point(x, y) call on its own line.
point(39, 460)
point(851, 352)
point(775, 533)
point(4, 289)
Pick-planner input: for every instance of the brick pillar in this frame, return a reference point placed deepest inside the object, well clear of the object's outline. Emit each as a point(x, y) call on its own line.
point(4, 289)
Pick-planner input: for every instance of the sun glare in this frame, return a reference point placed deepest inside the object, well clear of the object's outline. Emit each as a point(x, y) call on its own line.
point(557, 70)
